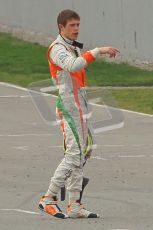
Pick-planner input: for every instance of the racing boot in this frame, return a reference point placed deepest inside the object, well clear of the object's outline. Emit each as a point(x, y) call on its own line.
point(49, 205)
point(77, 210)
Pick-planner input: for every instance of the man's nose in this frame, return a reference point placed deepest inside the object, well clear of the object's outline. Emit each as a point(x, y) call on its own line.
point(77, 27)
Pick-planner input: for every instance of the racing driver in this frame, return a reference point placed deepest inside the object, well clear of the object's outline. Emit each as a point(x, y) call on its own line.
point(67, 68)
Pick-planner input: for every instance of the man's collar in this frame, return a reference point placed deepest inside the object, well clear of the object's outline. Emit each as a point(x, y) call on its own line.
point(72, 43)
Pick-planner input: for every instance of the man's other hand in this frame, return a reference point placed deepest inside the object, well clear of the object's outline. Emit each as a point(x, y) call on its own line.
point(109, 50)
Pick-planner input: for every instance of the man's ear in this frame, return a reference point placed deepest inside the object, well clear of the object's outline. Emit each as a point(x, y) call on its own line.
point(60, 26)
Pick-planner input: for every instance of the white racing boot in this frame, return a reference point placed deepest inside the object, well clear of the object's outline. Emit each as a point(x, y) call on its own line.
point(76, 210)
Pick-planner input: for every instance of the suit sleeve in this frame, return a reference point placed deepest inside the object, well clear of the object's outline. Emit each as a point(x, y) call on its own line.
point(65, 60)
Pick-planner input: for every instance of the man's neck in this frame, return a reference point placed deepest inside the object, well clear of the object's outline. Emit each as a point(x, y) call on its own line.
point(72, 42)
point(67, 39)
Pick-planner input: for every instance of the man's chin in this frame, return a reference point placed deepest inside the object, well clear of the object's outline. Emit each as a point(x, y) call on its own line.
point(74, 37)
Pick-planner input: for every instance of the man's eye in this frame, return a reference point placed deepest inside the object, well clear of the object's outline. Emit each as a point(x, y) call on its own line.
point(73, 25)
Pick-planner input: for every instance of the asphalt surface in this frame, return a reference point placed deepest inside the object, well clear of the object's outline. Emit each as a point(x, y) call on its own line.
point(120, 170)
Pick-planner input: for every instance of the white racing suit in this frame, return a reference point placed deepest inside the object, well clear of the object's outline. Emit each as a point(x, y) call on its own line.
point(68, 74)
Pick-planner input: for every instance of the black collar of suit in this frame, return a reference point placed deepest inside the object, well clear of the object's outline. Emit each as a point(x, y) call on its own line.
point(73, 43)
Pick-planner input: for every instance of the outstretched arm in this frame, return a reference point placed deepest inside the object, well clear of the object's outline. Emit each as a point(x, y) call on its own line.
point(64, 59)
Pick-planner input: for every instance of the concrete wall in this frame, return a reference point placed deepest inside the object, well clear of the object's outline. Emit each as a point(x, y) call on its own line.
point(126, 24)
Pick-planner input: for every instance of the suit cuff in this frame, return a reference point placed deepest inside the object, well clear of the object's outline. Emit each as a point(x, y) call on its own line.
point(95, 52)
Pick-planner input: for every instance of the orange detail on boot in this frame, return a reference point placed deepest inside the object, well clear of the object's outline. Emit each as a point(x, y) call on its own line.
point(50, 210)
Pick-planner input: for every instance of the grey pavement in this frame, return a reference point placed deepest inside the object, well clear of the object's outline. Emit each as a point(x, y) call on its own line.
point(120, 170)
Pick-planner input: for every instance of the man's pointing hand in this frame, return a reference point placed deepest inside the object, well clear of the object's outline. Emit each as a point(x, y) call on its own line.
point(109, 50)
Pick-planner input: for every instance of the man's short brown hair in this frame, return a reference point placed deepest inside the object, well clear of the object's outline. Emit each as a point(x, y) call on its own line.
point(66, 15)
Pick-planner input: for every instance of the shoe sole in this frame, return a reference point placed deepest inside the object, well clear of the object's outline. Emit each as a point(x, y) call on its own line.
point(84, 217)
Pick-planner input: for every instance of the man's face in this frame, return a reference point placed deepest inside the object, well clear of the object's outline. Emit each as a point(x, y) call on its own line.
point(71, 29)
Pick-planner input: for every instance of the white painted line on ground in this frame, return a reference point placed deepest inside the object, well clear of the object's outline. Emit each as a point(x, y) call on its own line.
point(31, 123)
point(20, 88)
point(128, 145)
point(131, 156)
point(111, 145)
point(101, 145)
point(143, 114)
point(118, 156)
point(119, 229)
point(24, 89)
point(23, 148)
point(109, 128)
point(125, 110)
point(9, 96)
point(13, 86)
point(20, 96)
point(26, 134)
point(98, 158)
point(48, 89)
point(55, 146)
point(20, 210)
